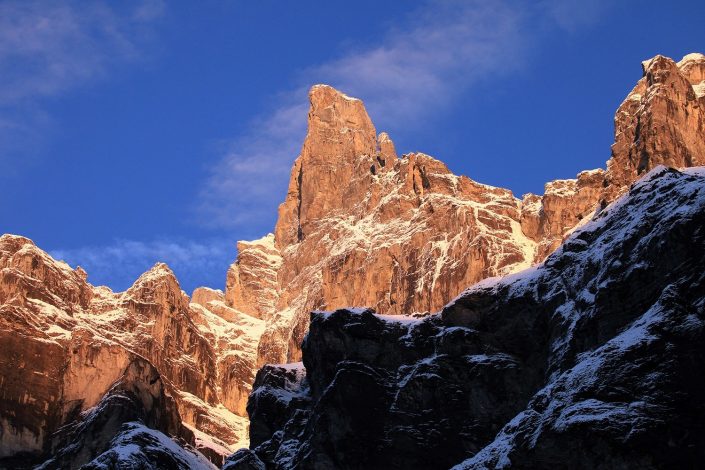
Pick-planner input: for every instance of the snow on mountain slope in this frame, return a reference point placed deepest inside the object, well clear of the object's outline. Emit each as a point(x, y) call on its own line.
point(65, 342)
point(360, 226)
point(588, 360)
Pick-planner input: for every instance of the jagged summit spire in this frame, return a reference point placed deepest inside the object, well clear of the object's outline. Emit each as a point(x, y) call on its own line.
point(324, 88)
point(338, 126)
point(340, 150)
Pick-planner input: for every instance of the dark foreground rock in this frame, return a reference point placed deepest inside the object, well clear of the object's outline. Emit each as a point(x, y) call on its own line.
point(594, 359)
point(135, 425)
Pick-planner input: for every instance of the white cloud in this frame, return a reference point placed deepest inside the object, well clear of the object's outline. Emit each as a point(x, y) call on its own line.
point(49, 48)
point(422, 66)
point(121, 262)
point(415, 71)
point(249, 181)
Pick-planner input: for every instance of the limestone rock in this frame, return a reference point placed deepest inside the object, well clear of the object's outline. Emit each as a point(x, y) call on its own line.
point(64, 343)
point(542, 369)
point(204, 295)
point(251, 282)
point(138, 397)
point(362, 227)
point(661, 122)
point(387, 151)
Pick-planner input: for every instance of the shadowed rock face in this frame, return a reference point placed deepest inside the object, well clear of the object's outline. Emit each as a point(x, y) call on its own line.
point(137, 403)
point(586, 361)
point(244, 459)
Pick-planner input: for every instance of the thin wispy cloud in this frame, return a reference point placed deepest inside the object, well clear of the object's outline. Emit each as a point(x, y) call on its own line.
point(421, 66)
point(573, 15)
point(418, 69)
point(50, 48)
point(120, 263)
point(249, 181)
point(414, 72)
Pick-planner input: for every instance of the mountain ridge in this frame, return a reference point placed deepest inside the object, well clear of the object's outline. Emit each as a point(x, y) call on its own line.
point(565, 365)
point(400, 234)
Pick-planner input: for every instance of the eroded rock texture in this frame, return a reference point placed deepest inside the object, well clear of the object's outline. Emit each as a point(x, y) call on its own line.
point(128, 427)
point(589, 360)
point(362, 227)
point(64, 343)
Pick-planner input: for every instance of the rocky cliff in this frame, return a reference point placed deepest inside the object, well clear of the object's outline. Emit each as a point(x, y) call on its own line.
point(64, 343)
point(128, 428)
point(360, 226)
point(590, 360)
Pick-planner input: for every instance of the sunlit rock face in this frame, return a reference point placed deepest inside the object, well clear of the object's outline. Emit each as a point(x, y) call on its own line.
point(572, 364)
point(135, 408)
point(251, 282)
point(64, 343)
point(661, 122)
point(362, 227)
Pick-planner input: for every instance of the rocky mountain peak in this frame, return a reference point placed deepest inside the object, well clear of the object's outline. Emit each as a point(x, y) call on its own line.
point(157, 287)
point(29, 272)
point(692, 66)
point(338, 126)
point(204, 295)
point(158, 275)
point(359, 227)
point(11, 243)
point(340, 151)
point(251, 282)
point(661, 122)
point(386, 147)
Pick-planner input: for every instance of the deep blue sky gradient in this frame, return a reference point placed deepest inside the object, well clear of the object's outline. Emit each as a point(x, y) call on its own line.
point(122, 157)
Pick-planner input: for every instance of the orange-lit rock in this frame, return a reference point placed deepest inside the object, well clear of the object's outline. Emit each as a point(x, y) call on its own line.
point(661, 122)
point(360, 226)
point(64, 343)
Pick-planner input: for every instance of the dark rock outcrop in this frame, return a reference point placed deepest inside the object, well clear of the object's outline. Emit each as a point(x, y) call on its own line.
point(130, 425)
point(593, 359)
point(137, 446)
point(244, 459)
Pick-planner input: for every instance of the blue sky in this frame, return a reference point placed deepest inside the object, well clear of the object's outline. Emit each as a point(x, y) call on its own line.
point(142, 131)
